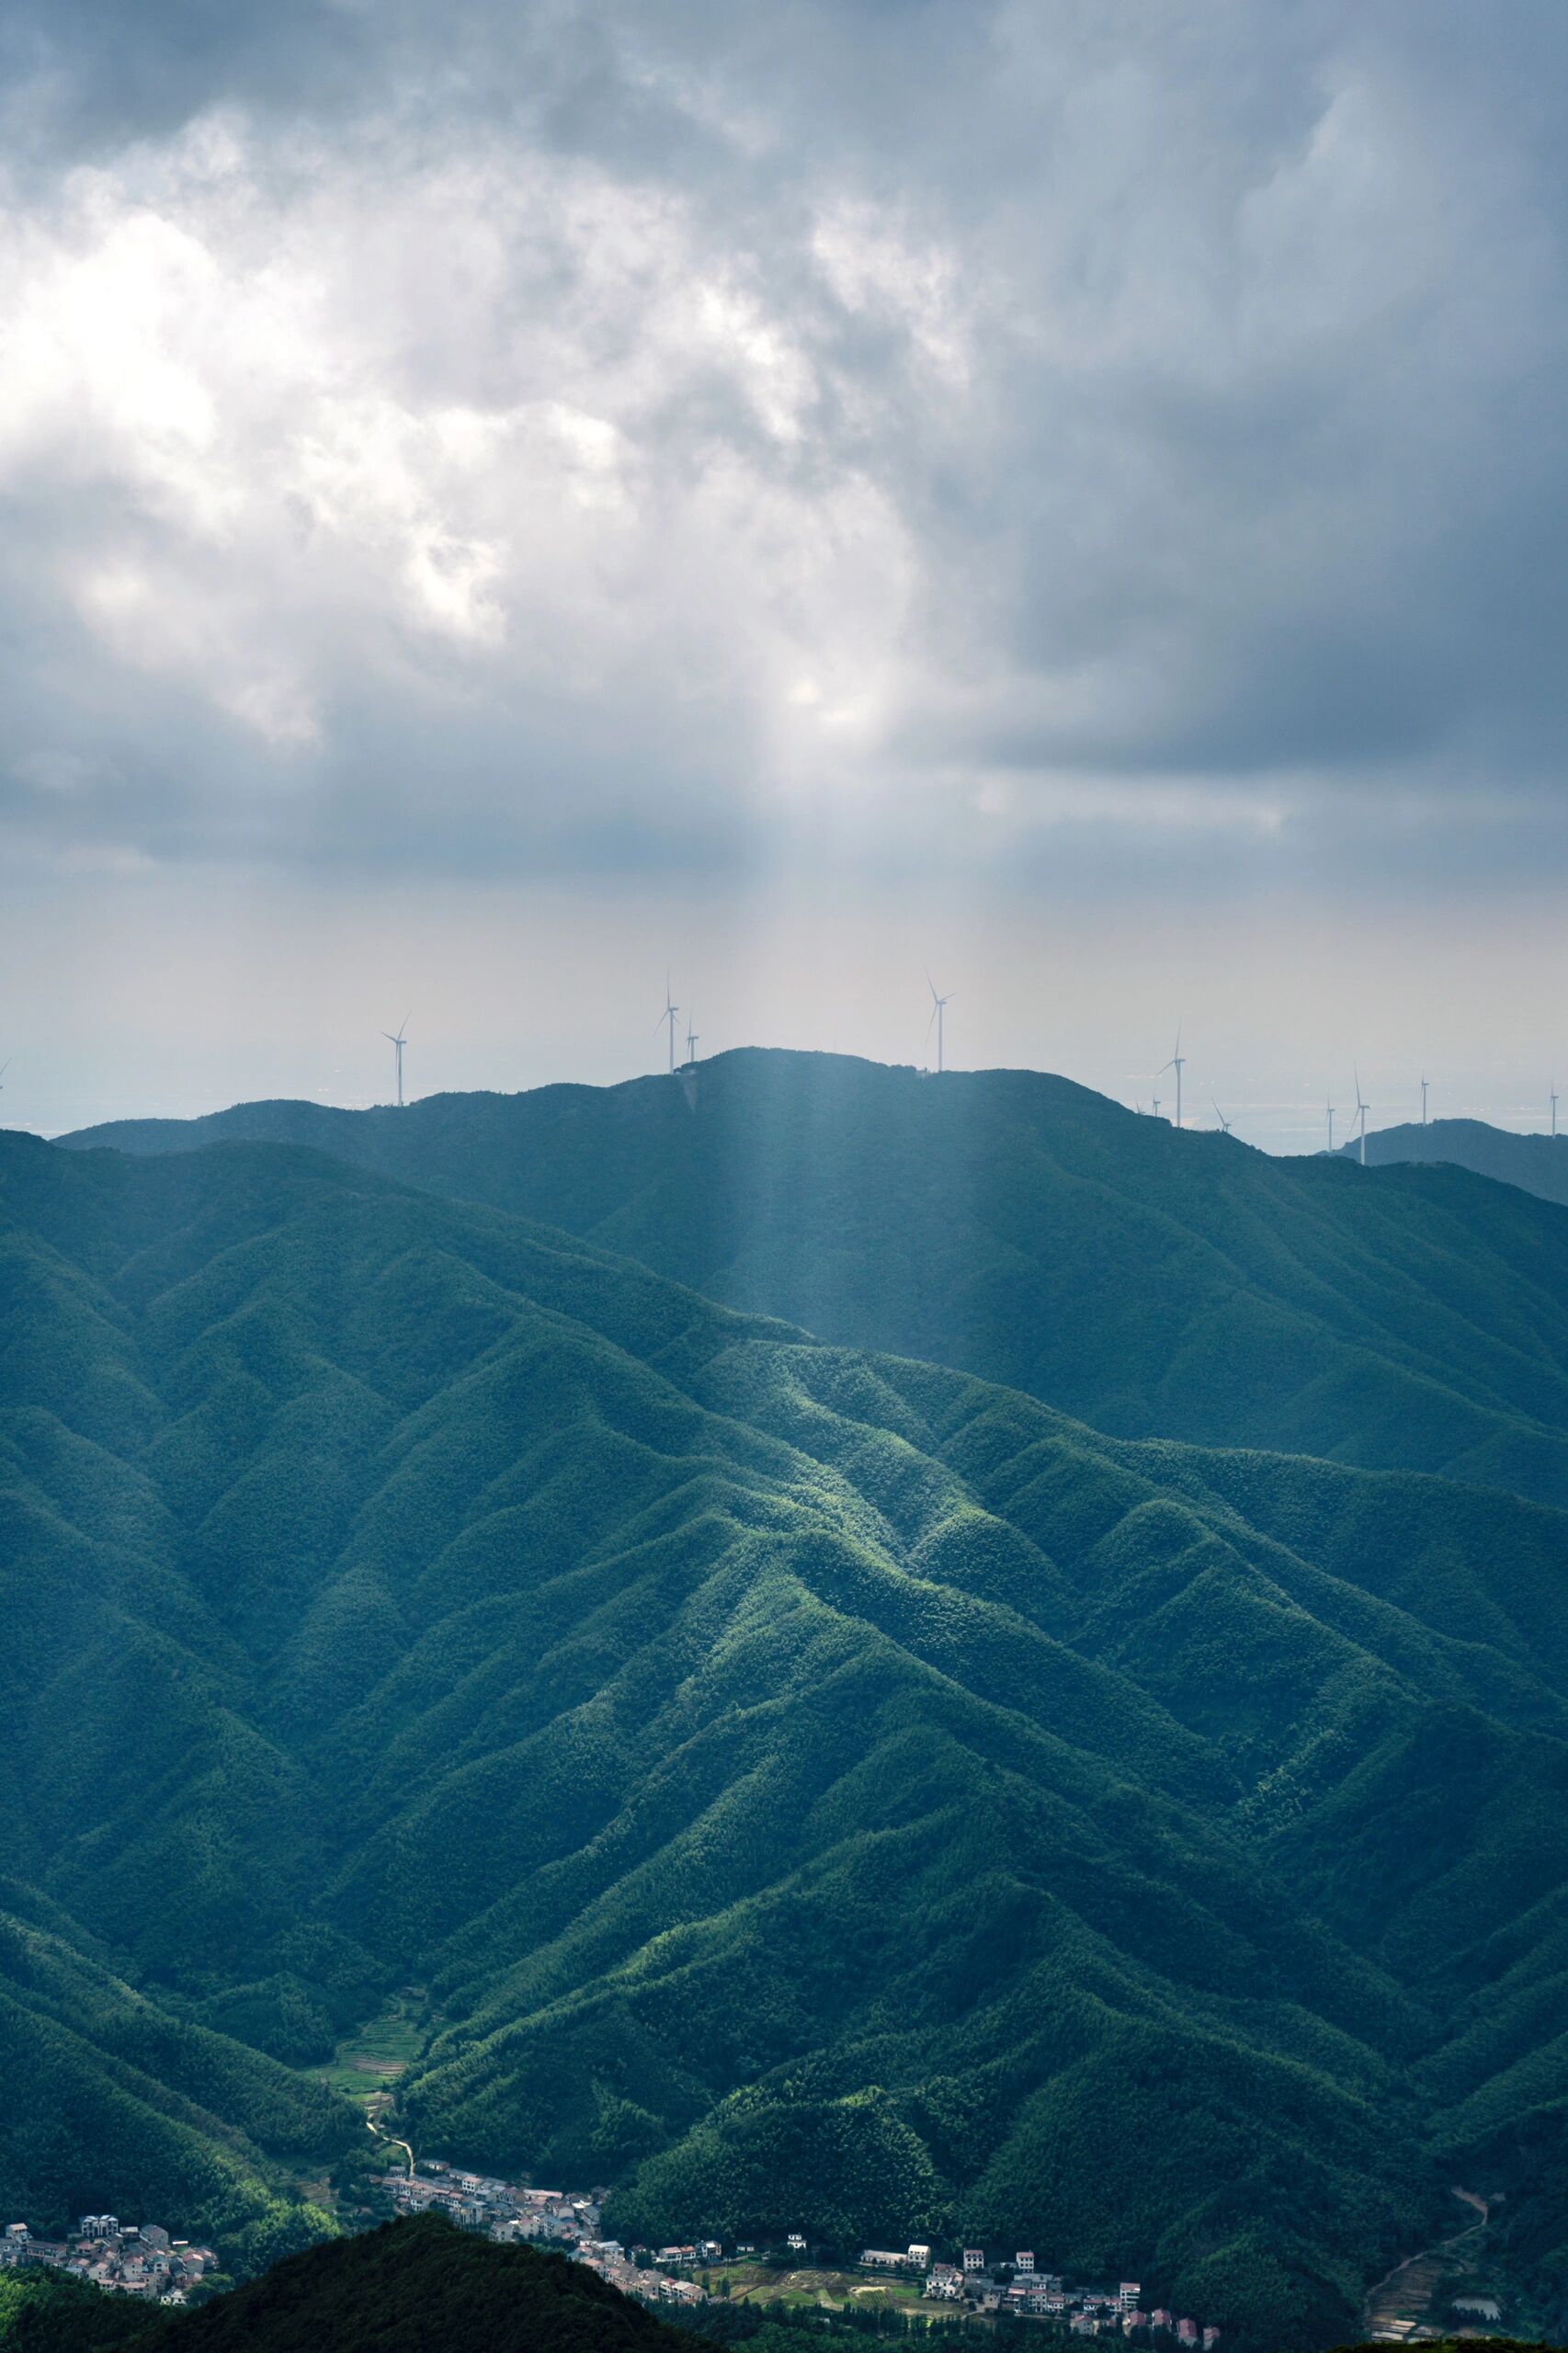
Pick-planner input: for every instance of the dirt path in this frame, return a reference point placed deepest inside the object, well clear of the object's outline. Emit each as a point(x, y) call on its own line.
point(1400, 2306)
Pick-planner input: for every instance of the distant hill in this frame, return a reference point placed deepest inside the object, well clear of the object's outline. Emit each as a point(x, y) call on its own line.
point(816, 1788)
point(1536, 1163)
point(411, 2286)
point(1019, 1227)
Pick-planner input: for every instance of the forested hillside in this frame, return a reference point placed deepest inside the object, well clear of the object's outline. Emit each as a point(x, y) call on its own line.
point(818, 1790)
point(1536, 1164)
point(1019, 1227)
point(106, 2087)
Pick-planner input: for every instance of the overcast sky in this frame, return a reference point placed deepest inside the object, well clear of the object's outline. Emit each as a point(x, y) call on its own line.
point(501, 498)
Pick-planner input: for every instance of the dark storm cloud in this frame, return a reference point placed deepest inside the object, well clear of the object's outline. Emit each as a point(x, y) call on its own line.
point(559, 437)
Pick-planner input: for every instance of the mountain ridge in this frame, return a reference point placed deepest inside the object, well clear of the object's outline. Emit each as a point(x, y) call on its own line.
point(1017, 1226)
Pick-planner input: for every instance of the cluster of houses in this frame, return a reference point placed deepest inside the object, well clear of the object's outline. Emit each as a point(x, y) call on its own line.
point(132, 2259)
point(671, 2275)
point(509, 2210)
point(1020, 2286)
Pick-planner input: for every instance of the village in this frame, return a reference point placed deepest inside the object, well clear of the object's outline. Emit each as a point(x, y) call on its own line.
point(143, 2260)
point(129, 2261)
point(977, 2285)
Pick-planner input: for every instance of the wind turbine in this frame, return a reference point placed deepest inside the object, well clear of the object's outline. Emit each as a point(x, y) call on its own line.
point(1157, 1103)
point(1553, 1103)
point(1423, 1102)
point(397, 1045)
point(1224, 1123)
point(1362, 1111)
point(690, 1038)
point(1175, 1064)
point(1330, 1125)
point(671, 1009)
point(938, 1004)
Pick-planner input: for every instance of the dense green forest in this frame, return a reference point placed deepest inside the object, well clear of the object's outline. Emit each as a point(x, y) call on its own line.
point(812, 1788)
point(1016, 1226)
point(104, 2084)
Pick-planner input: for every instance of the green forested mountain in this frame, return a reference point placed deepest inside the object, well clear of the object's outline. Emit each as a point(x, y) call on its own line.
point(1536, 1164)
point(816, 1789)
point(1019, 1227)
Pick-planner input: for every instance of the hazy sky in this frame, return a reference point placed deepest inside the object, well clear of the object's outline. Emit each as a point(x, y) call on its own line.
point(499, 497)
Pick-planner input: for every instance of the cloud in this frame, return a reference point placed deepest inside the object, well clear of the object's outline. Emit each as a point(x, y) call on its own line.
point(555, 438)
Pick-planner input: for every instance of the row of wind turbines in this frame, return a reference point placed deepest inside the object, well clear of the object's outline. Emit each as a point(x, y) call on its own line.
point(669, 1017)
point(1178, 1063)
point(1358, 1117)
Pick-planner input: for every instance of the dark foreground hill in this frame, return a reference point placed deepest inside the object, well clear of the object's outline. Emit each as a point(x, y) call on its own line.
point(1022, 1227)
point(1536, 1163)
point(411, 2287)
point(816, 1789)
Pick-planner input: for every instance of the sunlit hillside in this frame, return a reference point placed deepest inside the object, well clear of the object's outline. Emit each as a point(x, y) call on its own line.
point(808, 1782)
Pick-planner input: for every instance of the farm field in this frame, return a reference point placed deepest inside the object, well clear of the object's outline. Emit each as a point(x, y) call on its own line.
point(830, 2290)
point(372, 2058)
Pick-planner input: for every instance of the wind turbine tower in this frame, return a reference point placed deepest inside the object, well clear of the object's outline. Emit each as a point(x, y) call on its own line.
point(1423, 1102)
point(1224, 1123)
point(1362, 1111)
point(1176, 1062)
point(938, 1007)
point(397, 1045)
point(1330, 1125)
point(671, 1009)
point(1554, 1107)
point(691, 1039)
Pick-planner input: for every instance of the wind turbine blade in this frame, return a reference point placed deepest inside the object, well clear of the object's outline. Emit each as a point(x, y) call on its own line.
point(931, 1024)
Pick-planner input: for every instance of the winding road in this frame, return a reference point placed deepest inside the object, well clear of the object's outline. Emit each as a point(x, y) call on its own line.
point(372, 2124)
